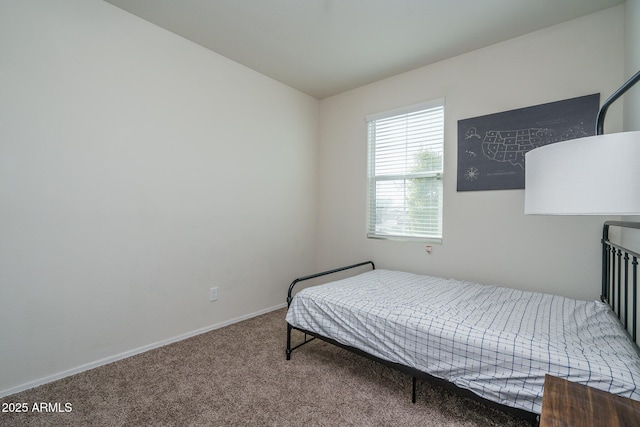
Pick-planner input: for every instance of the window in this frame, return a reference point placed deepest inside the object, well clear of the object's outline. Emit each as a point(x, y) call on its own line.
point(405, 173)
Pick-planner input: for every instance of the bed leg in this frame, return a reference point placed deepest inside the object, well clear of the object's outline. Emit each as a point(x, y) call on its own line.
point(288, 351)
point(413, 392)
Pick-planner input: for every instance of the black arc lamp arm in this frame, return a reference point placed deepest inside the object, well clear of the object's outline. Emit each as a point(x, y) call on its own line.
point(617, 94)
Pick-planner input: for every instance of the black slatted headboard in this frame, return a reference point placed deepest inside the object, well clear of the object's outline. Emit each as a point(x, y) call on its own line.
point(620, 273)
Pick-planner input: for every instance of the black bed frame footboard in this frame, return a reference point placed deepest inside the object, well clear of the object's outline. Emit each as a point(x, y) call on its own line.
point(620, 278)
point(414, 373)
point(309, 277)
point(325, 273)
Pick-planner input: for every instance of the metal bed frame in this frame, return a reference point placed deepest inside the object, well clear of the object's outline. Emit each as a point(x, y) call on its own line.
point(619, 291)
point(620, 278)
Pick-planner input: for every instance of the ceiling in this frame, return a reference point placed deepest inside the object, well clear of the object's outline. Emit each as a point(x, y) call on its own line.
point(325, 47)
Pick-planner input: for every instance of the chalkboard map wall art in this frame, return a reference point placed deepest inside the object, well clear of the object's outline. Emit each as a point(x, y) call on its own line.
point(491, 148)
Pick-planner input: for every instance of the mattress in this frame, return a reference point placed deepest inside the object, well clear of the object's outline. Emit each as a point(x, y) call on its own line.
point(496, 342)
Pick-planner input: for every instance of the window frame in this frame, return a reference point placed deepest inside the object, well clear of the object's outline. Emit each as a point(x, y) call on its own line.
point(371, 225)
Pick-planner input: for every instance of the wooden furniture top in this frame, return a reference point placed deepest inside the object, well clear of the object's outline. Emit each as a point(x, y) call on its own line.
point(565, 403)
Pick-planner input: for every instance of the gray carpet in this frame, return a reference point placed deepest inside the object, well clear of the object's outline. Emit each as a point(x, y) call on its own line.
point(238, 376)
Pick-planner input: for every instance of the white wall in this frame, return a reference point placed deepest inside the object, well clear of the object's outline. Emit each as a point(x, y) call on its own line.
point(487, 238)
point(631, 99)
point(137, 170)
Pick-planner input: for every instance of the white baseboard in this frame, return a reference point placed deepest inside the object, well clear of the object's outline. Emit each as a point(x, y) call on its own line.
point(133, 352)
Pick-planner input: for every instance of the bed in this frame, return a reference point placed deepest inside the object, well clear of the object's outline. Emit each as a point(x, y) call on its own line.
point(491, 343)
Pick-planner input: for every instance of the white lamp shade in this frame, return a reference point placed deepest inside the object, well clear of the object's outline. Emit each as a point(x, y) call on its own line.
point(597, 175)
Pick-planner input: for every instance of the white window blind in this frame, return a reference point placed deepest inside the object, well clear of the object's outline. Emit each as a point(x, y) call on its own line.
point(405, 173)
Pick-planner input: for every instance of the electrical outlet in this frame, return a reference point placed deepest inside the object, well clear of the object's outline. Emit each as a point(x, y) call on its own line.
point(213, 294)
